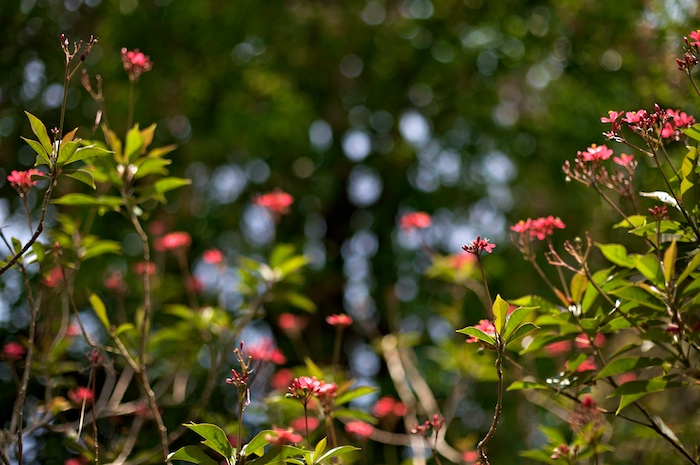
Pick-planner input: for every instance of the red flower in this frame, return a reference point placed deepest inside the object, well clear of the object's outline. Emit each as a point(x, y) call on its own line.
point(596, 153)
point(359, 428)
point(470, 456)
point(586, 365)
point(415, 220)
point(277, 201)
point(582, 341)
point(266, 352)
point(54, 277)
point(299, 423)
point(13, 351)
point(281, 437)
point(281, 379)
point(478, 245)
point(486, 327)
point(556, 348)
point(340, 320)
point(303, 388)
point(172, 241)
point(695, 35)
point(387, 406)
point(673, 329)
point(22, 180)
point(145, 267)
point(80, 394)
point(135, 63)
point(76, 461)
point(290, 323)
point(213, 256)
point(624, 159)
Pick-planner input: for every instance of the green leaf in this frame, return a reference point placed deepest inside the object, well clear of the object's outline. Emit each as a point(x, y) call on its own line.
point(280, 254)
point(670, 261)
point(84, 200)
point(83, 153)
point(100, 310)
point(83, 176)
point(693, 132)
point(192, 454)
point(297, 300)
point(354, 393)
point(168, 184)
point(133, 145)
point(515, 319)
point(477, 333)
point(39, 131)
point(520, 385)
point(692, 266)
point(214, 438)
point(634, 221)
point(354, 414)
point(689, 178)
point(624, 365)
point(650, 267)
point(98, 248)
point(578, 285)
point(66, 151)
point(256, 445)
point(616, 254)
point(521, 331)
point(319, 449)
point(291, 265)
point(151, 166)
point(123, 328)
point(39, 149)
point(645, 386)
point(640, 295)
point(336, 452)
point(500, 313)
point(39, 251)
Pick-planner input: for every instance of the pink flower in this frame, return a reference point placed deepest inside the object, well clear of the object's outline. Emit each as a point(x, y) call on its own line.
point(303, 388)
point(115, 282)
point(389, 406)
point(277, 201)
point(326, 393)
point(359, 428)
point(470, 456)
point(596, 153)
point(478, 245)
point(586, 365)
point(72, 330)
point(582, 341)
point(557, 348)
point(145, 267)
point(13, 351)
point(673, 329)
point(76, 461)
point(626, 378)
point(340, 320)
point(588, 402)
point(213, 256)
point(624, 159)
point(613, 117)
point(695, 36)
point(266, 352)
point(415, 220)
point(281, 437)
point(80, 394)
point(299, 424)
point(522, 226)
point(461, 260)
point(290, 323)
point(486, 327)
point(22, 181)
point(54, 277)
point(172, 241)
point(281, 379)
point(135, 63)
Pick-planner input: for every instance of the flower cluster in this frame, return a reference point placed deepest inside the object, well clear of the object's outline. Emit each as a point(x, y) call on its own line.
point(340, 320)
point(479, 245)
point(690, 56)
point(22, 181)
point(135, 63)
point(276, 202)
point(415, 220)
point(265, 351)
point(538, 228)
point(588, 169)
point(173, 241)
point(13, 351)
point(80, 394)
point(282, 437)
point(359, 428)
point(389, 406)
point(651, 126)
point(436, 423)
point(305, 388)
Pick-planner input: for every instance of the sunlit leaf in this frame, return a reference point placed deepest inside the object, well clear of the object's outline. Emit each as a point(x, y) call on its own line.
point(100, 310)
point(40, 132)
point(214, 438)
point(624, 365)
point(192, 454)
point(616, 254)
point(500, 313)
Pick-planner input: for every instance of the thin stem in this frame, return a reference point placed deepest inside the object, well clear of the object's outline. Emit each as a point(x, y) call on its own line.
point(499, 402)
point(132, 104)
point(306, 424)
